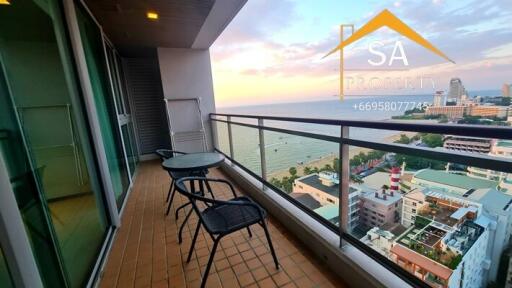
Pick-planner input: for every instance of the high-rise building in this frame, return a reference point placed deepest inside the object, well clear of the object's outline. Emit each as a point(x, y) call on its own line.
point(456, 90)
point(505, 91)
point(467, 144)
point(439, 99)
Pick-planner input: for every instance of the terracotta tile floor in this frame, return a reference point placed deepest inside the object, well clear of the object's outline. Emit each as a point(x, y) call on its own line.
point(146, 252)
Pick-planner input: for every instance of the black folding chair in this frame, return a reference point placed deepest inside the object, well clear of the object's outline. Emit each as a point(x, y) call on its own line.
point(175, 175)
point(220, 218)
point(165, 154)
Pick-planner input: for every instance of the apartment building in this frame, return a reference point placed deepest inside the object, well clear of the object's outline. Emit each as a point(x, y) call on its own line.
point(452, 112)
point(380, 208)
point(467, 144)
point(324, 188)
point(457, 215)
point(499, 148)
point(487, 111)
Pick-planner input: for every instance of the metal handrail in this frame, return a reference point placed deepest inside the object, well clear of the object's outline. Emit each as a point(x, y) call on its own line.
point(483, 131)
point(461, 157)
point(344, 140)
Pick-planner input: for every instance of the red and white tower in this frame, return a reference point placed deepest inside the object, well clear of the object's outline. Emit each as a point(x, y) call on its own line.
point(394, 180)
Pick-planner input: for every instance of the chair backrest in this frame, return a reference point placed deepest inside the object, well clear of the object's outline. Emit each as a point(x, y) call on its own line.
point(164, 154)
point(194, 198)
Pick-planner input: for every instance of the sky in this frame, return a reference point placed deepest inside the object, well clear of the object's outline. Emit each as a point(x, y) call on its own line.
point(273, 51)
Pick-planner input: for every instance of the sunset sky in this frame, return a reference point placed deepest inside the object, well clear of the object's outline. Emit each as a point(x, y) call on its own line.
point(272, 51)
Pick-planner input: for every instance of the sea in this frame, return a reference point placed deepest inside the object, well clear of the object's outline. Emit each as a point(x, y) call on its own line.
point(283, 151)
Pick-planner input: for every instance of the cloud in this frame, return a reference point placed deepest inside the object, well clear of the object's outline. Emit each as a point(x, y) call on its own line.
point(476, 34)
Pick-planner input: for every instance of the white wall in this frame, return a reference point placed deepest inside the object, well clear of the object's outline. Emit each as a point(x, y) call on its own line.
point(187, 73)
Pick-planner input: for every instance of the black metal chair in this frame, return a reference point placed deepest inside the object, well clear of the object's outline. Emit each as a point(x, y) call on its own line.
point(222, 217)
point(166, 154)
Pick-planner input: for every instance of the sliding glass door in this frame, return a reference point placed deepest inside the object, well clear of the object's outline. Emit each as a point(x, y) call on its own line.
point(92, 41)
point(45, 140)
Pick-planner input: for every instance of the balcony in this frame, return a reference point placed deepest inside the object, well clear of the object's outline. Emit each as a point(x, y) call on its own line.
point(146, 251)
point(427, 253)
point(88, 127)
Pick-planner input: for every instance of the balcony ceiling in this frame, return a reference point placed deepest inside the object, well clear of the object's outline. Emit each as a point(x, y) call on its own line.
point(125, 22)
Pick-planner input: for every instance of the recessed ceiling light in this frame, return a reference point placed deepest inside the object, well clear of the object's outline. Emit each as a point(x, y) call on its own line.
point(5, 2)
point(150, 15)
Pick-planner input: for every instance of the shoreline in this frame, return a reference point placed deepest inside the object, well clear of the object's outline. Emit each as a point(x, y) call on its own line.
point(329, 159)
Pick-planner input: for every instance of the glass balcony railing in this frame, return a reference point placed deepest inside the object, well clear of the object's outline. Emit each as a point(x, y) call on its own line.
point(425, 211)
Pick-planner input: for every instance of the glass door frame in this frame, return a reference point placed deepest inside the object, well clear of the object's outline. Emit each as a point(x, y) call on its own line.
point(87, 92)
point(84, 79)
point(121, 116)
point(13, 237)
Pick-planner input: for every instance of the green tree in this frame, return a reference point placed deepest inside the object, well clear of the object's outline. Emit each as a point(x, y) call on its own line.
point(276, 182)
point(307, 170)
point(292, 171)
point(286, 184)
point(336, 164)
point(327, 167)
point(403, 139)
point(417, 163)
point(432, 140)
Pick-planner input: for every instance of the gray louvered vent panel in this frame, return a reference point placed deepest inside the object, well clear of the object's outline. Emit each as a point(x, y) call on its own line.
point(145, 89)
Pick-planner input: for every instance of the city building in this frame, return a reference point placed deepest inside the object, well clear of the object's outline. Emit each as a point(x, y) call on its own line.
point(456, 91)
point(324, 188)
point(487, 208)
point(451, 112)
point(499, 148)
point(380, 208)
point(487, 111)
point(450, 182)
point(467, 144)
point(380, 240)
point(439, 99)
point(505, 90)
point(306, 199)
point(444, 256)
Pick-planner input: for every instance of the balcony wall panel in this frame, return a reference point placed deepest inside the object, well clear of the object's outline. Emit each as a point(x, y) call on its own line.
point(186, 73)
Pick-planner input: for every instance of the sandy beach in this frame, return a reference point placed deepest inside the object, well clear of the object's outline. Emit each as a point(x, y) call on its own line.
point(330, 158)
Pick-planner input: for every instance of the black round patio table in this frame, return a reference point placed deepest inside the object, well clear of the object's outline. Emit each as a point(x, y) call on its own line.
point(196, 164)
point(193, 162)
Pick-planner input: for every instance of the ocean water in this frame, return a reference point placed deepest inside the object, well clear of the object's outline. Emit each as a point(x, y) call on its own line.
point(283, 151)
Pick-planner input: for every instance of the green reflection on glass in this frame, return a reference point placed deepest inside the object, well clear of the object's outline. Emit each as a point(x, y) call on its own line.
point(106, 111)
point(46, 144)
point(5, 277)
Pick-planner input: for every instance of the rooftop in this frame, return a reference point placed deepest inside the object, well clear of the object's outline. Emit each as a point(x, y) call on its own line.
point(370, 195)
point(422, 261)
point(376, 180)
point(503, 143)
point(306, 199)
point(492, 200)
point(454, 180)
point(314, 181)
point(329, 212)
